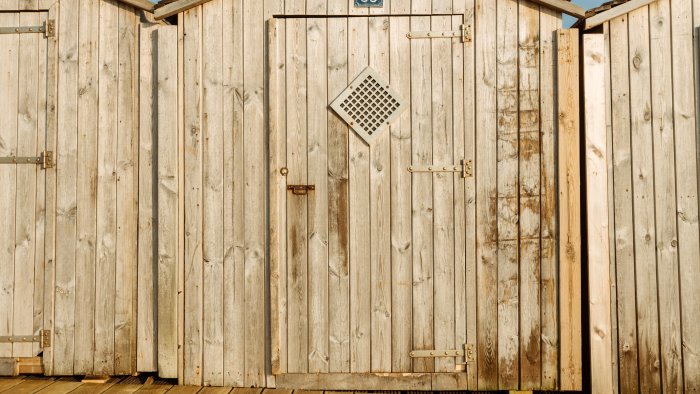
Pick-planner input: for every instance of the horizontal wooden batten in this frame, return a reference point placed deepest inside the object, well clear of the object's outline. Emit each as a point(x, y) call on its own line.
point(374, 381)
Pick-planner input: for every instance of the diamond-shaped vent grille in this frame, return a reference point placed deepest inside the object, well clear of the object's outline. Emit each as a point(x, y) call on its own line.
point(368, 105)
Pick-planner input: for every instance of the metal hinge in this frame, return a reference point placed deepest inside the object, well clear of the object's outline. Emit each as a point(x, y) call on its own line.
point(48, 28)
point(467, 352)
point(464, 167)
point(46, 160)
point(45, 338)
point(464, 33)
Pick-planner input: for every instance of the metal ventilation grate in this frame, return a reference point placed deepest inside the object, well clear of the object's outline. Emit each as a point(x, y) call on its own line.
point(368, 105)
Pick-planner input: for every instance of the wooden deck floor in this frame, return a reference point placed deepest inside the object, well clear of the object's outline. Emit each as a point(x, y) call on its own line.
point(46, 385)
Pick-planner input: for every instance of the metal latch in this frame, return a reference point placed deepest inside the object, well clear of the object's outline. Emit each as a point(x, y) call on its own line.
point(48, 28)
point(464, 33)
point(467, 352)
point(301, 190)
point(464, 167)
point(46, 160)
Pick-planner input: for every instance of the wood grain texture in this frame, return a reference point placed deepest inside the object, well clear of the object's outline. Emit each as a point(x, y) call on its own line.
point(529, 194)
point(168, 199)
point(569, 210)
point(147, 278)
point(643, 191)
point(486, 196)
point(624, 247)
point(508, 185)
point(550, 22)
point(422, 194)
point(597, 202)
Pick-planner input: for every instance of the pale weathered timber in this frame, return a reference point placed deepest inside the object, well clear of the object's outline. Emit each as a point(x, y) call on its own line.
point(529, 194)
point(569, 210)
point(597, 204)
point(147, 321)
point(168, 178)
point(486, 196)
point(624, 247)
point(507, 195)
point(643, 187)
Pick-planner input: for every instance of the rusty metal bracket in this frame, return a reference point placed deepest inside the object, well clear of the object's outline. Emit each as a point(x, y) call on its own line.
point(301, 190)
point(467, 352)
point(46, 160)
point(48, 28)
point(464, 33)
point(464, 167)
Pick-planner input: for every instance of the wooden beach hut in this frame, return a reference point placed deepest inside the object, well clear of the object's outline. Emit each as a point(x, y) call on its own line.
point(69, 170)
point(641, 102)
point(363, 194)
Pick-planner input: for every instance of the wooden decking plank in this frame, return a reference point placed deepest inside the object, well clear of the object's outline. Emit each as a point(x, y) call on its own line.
point(123, 388)
point(61, 387)
point(184, 390)
point(6, 384)
point(155, 388)
point(30, 386)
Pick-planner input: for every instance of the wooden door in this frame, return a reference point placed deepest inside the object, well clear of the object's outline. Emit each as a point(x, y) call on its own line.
point(26, 114)
point(377, 260)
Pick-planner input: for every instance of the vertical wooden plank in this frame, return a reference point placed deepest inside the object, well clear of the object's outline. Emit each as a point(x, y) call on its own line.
point(147, 279)
point(42, 177)
point(234, 233)
point(254, 190)
point(316, 43)
point(441, 7)
point(470, 228)
point(181, 259)
point(459, 203)
point(294, 7)
point(213, 194)
point(168, 197)
point(597, 204)
point(380, 212)
point(88, 109)
point(49, 243)
point(570, 210)
point(529, 190)
point(443, 192)
point(422, 194)
point(486, 195)
point(338, 198)
point(643, 191)
point(611, 210)
point(401, 246)
point(337, 7)
point(26, 183)
point(66, 154)
point(316, 7)
point(666, 199)
point(106, 190)
point(193, 197)
point(508, 183)
point(684, 99)
point(278, 202)
point(624, 225)
point(297, 207)
point(360, 305)
point(127, 194)
point(550, 22)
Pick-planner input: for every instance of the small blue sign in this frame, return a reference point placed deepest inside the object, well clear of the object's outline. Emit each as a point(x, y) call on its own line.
point(369, 3)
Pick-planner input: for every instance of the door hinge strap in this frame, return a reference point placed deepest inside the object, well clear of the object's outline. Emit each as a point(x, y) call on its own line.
point(20, 339)
point(464, 167)
point(46, 160)
point(464, 33)
point(44, 338)
point(48, 28)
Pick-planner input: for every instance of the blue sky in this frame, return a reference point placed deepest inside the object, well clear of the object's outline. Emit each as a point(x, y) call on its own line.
point(585, 4)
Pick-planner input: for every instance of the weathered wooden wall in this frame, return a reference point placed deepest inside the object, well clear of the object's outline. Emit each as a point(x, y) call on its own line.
point(215, 256)
point(653, 196)
point(85, 279)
